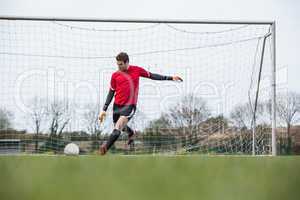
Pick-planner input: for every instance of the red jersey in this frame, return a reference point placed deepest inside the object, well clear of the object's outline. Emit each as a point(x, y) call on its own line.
point(126, 84)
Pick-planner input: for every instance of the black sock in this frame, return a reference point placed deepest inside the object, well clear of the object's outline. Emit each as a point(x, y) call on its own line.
point(112, 138)
point(128, 130)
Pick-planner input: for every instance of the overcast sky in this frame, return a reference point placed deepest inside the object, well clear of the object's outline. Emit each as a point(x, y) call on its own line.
point(285, 12)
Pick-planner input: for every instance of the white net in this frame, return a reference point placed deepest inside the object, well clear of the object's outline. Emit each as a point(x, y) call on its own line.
point(55, 77)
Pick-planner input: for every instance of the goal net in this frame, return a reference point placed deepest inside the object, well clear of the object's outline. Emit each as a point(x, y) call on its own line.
point(55, 76)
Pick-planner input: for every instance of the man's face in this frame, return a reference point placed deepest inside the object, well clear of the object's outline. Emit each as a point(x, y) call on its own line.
point(122, 65)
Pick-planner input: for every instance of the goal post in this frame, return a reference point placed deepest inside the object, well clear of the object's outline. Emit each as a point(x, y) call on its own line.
point(274, 148)
point(230, 65)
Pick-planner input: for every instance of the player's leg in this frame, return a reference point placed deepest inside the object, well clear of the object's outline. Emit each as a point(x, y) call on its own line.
point(121, 117)
point(130, 133)
point(122, 121)
point(114, 135)
point(126, 113)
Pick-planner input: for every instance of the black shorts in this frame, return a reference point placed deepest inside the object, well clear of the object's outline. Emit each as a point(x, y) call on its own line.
point(123, 110)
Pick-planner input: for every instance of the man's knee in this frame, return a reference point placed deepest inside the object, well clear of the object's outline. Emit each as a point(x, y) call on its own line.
point(121, 123)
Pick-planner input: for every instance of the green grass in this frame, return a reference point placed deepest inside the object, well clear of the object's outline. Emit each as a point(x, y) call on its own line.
point(149, 177)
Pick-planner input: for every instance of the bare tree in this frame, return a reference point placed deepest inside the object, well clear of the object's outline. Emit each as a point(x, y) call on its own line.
point(189, 112)
point(37, 115)
point(161, 122)
point(59, 117)
point(90, 117)
point(242, 115)
point(288, 110)
point(5, 119)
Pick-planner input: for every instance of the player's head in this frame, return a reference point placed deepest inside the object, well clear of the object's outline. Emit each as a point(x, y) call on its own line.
point(122, 61)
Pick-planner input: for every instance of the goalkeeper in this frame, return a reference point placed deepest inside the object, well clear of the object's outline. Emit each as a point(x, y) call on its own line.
point(124, 86)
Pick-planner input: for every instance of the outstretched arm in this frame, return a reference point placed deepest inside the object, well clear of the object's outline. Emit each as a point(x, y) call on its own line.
point(153, 76)
point(159, 77)
point(162, 77)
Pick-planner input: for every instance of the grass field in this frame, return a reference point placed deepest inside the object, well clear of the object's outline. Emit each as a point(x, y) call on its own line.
point(149, 177)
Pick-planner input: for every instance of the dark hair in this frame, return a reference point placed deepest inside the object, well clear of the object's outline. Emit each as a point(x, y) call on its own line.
point(122, 57)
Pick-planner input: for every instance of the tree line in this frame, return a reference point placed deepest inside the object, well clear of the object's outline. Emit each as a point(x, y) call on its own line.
point(188, 113)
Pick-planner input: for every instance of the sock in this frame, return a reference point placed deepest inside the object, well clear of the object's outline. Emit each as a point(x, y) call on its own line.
point(112, 138)
point(128, 130)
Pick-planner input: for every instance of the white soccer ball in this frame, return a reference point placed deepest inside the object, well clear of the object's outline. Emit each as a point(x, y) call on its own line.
point(71, 149)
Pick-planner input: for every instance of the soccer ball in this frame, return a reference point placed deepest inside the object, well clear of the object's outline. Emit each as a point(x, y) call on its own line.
point(71, 149)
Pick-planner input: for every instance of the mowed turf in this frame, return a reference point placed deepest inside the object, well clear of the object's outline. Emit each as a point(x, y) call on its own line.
point(149, 178)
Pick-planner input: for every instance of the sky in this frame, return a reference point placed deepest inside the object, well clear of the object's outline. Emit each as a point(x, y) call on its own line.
point(284, 12)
